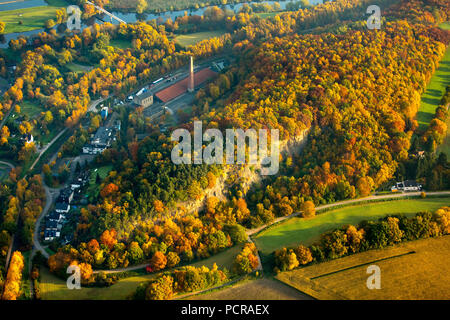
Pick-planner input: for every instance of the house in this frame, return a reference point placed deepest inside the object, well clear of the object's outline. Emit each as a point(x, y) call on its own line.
point(181, 87)
point(408, 185)
point(420, 154)
point(80, 181)
point(144, 99)
point(28, 138)
point(100, 142)
point(55, 216)
point(63, 201)
point(65, 195)
point(62, 207)
point(219, 65)
point(50, 235)
point(51, 225)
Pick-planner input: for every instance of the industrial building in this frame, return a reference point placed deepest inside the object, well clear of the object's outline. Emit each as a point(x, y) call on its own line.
point(189, 84)
point(144, 100)
point(181, 87)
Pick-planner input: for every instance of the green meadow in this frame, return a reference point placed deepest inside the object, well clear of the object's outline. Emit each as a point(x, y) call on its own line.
point(22, 20)
point(54, 288)
point(300, 230)
point(193, 38)
point(434, 92)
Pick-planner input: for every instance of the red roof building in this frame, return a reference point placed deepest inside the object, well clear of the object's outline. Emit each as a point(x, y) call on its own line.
point(181, 87)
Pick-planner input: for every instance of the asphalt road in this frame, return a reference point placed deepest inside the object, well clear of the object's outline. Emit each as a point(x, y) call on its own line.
point(7, 164)
point(36, 244)
point(331, 205)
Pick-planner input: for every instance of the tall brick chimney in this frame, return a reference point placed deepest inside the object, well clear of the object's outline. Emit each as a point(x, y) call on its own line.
point(191, 84)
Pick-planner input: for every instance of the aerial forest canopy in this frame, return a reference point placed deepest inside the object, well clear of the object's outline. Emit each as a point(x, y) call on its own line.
point(356, 91)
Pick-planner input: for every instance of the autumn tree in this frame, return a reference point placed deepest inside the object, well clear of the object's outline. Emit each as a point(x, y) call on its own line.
point(303, 254)
point(285, 260)
point(172, 259)
point(11, 288)
point(308, 209)
point(160, 289)
point(158, 261)
point(108, 238)
point(364, 186)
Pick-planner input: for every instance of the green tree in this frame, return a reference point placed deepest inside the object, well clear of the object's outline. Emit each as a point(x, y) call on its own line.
point(308, 209)
point(160, 289)
point(237, 233)
point(141, 6)
point(135, 253)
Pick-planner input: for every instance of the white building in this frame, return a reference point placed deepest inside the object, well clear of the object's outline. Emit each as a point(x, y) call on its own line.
point(408, 185)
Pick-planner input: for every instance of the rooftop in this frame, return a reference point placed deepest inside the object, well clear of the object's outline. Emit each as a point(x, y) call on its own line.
point(181, 87)
point(62, 206)
point(102, 136)
point(144, 95)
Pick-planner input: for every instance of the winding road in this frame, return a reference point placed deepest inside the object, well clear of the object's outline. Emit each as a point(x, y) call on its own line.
point(251, 232)
point(37, 245)
point(7, 164)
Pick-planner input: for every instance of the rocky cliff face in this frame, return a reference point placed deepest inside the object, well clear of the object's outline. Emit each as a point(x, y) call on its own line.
point(294, 145)
point(249, 174)
point(218, 191)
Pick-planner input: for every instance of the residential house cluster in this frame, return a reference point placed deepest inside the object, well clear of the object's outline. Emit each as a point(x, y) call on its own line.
point(101, 141)
point(56, 218)
point(80, 181)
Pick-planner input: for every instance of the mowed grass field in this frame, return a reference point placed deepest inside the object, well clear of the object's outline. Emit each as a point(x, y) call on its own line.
point(53, 288)
point(299, 230)
point(31, 18)
point(193, 38)
point(266, 15)
point(445, 25)
point(121, 44)
point(412, 270)
point(30, 108)
point(445, 146)
point(78, 68)
point(260, 289)
point(434, 92)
